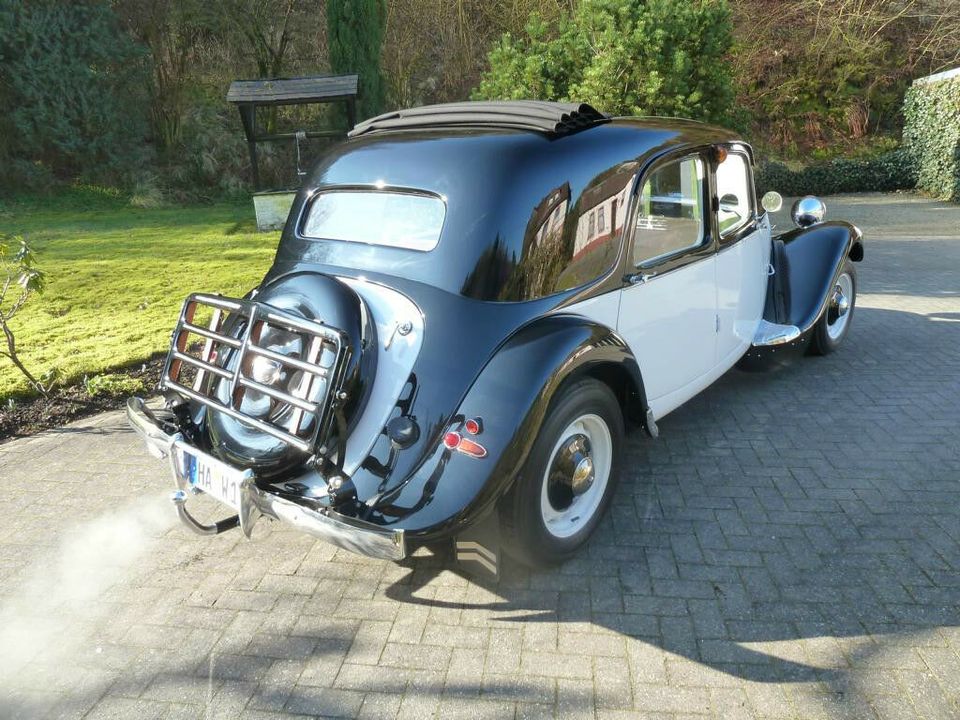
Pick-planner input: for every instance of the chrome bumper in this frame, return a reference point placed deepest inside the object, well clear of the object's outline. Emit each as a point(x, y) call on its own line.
point(349, 533)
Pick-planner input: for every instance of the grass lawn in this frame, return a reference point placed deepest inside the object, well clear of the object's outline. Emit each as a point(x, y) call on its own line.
point(117, 275)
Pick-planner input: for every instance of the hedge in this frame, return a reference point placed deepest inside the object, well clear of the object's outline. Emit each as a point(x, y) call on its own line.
point(931, 134)
point(893, 170)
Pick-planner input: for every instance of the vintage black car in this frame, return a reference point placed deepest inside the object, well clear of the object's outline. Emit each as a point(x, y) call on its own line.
point(469, 306)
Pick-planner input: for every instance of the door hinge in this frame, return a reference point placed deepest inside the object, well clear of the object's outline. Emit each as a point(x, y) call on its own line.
point(717, 324)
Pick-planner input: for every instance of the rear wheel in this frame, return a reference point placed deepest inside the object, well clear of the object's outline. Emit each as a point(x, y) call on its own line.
point(569, 478)
point(833, 327)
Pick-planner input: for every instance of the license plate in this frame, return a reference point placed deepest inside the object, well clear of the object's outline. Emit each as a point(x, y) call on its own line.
point(213, 477)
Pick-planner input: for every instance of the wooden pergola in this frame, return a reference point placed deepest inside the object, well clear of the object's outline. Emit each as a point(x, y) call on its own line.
point(248, 95)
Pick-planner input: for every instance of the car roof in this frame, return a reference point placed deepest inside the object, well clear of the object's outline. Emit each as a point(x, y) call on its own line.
point(496, 180)
point(552, 120)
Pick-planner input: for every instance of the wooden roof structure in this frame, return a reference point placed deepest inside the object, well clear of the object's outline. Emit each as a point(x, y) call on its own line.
point(293, 91)
point(248, 95)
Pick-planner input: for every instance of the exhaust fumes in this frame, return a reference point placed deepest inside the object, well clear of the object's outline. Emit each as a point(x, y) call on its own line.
point(57, 605)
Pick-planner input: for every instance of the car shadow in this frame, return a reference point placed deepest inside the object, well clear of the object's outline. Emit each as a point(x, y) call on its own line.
point(814, 503)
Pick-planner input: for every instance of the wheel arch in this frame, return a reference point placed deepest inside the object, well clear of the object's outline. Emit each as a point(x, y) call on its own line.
point(512, 396)
point(625, 381)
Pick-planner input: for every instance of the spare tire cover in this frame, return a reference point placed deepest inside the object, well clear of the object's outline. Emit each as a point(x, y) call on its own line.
point(321, 298)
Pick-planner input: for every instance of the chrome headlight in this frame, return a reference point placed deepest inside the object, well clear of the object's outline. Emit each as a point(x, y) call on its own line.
point(807, 211)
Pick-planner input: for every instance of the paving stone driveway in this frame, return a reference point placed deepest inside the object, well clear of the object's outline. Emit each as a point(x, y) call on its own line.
point(787, 549)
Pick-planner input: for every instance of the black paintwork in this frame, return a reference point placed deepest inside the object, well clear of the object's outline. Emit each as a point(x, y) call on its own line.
point(511, 395)
point(811, 259)
point(501, 361)
point(498, 361)
point(815, 256)
point(497, 343)
point(493, 182)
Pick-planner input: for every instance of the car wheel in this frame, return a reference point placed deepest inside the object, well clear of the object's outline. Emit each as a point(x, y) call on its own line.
point(569, 478)
point(833, 327)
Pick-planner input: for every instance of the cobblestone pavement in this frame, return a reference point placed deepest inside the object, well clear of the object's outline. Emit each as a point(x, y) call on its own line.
point(787, 549)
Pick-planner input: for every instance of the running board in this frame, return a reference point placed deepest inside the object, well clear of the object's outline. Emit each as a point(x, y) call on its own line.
point(769, 333)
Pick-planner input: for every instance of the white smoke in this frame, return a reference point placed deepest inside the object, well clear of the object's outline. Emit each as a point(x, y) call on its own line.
point(55, 601)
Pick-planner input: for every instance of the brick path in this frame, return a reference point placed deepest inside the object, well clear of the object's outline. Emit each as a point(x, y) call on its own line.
point(787, 549)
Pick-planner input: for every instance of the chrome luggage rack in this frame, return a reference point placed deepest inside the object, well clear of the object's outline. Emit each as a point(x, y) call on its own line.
point(254, 318)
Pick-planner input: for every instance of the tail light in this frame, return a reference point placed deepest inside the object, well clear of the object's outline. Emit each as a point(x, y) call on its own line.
point(453, 440)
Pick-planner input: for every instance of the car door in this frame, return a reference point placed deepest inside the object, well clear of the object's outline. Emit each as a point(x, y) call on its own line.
point(668, 311)
point(743, 258)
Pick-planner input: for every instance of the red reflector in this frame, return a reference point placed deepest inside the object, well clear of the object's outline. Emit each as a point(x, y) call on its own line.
point(473, 426)
point(469, 447)
point(451, 440)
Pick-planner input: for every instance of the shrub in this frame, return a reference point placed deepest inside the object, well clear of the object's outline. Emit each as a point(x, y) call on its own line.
point(113, 385)
point(70, 86)
point(931, 133)
point(20, 279)
point(892, 170)
point(658, 57)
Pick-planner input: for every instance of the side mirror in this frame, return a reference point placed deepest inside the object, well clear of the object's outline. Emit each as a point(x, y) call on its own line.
point(730, 200)
point(772, 201)
point(808, 211)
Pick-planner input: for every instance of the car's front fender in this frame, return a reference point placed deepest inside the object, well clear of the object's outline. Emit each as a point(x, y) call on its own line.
point(511, 397)
point(815, 257)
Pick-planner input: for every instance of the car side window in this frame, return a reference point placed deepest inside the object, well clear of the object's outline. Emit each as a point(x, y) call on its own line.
point(733, 190)
point(670, 218)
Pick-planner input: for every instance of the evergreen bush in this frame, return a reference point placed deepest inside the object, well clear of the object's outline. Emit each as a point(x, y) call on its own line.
point(931, 135)
point(892, 170)
point(71, 88)
point(658, 57)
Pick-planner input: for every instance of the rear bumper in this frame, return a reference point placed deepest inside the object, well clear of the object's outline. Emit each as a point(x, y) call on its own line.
point(349, 533)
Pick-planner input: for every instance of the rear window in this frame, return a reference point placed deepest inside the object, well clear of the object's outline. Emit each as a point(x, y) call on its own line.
point(392, 219)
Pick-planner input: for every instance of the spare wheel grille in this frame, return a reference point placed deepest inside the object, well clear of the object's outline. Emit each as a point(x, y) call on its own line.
point(194, 372)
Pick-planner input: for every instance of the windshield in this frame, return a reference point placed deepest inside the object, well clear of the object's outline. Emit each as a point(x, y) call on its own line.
point(392, 219)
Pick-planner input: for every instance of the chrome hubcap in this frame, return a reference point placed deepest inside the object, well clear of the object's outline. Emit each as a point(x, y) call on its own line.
point(576, 478)
point(838, 312)
point(582, 476)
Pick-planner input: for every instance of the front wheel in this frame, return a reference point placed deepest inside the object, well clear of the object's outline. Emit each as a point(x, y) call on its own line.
point(569, 478)
point(833, 327)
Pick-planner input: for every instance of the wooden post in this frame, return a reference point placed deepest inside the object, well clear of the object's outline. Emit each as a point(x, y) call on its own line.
point(351, 113)
point(248, 116)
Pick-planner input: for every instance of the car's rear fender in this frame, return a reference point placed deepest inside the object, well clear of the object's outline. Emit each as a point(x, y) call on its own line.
point(812, 258)
point(511, 397)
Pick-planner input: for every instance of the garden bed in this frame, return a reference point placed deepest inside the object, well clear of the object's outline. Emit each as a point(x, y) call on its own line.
point(29, 415)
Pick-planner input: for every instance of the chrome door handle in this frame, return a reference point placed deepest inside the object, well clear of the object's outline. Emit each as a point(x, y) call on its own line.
point(638, 278)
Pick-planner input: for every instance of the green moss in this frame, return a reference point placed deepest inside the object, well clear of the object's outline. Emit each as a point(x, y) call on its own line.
point(117, 275)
